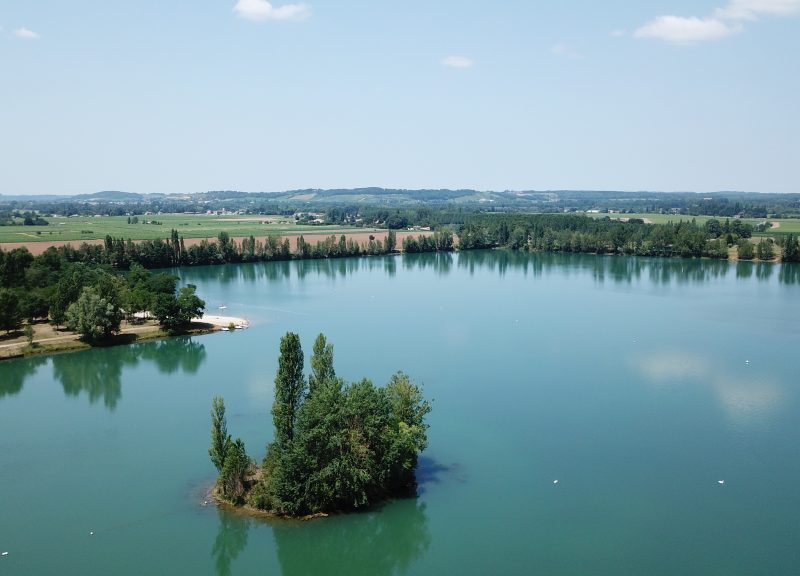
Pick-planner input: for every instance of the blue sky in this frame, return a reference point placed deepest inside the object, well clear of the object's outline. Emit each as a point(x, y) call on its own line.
point(187, 96)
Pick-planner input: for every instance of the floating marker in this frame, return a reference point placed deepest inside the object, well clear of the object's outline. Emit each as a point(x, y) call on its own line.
point(91, 533)
point(555, 481)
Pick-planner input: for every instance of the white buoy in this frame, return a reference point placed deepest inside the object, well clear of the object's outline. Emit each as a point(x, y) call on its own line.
point(91, 533)
point(720, 481)
point(555, 481)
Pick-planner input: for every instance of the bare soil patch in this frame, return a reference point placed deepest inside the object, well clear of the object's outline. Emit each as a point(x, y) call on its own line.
point(37, 248)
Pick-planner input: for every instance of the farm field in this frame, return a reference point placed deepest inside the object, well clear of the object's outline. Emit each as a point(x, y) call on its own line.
point(64, 229)
point(779, 227)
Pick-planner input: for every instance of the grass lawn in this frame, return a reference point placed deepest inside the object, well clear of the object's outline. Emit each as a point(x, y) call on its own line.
point(188, 225)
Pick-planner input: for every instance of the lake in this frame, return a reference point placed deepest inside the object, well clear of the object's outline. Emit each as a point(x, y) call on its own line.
point(638, 384)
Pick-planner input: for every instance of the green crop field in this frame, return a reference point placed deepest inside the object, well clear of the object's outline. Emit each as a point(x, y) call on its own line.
point(63, 229)
point(788, 226)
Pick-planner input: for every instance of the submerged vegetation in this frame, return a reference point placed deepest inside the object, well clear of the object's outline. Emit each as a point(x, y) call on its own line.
point(337, 446)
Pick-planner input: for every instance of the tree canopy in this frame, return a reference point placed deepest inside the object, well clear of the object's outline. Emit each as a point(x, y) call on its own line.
point(337, 446)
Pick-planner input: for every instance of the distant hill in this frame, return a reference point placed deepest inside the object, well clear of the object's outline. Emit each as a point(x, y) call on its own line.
point(346, 202)
point(111, 196)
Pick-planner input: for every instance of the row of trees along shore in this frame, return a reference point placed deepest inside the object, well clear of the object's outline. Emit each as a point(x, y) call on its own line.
point(575, 233)
point(337, 446)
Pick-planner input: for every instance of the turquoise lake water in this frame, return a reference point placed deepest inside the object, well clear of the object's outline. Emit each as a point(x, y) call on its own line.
point(637, 384)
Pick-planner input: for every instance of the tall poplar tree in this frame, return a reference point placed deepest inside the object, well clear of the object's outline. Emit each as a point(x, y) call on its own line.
point(219, 433)
point(321, 364)
point(290, 386)
point(791, 250)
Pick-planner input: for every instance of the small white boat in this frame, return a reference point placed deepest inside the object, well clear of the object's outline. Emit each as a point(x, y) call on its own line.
point(240, 326)
point(222, 307)
point(720, 482)
point(225, 329)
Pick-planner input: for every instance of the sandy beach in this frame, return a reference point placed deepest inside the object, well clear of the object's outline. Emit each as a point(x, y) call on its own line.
point(222, 321)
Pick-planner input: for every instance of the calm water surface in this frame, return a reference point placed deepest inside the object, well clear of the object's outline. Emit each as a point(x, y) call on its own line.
point(625, 379)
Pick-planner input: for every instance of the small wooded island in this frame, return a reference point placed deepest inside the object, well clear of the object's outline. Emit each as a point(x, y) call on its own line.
point(338, 447)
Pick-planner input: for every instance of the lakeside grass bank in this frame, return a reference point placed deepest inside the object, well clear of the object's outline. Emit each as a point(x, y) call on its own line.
point(16, 344)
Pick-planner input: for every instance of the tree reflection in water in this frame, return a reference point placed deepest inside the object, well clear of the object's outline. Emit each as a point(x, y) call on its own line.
point(13, 374)
point(230, 541)
point(378, 543)
point(384, 541)
point(99, 372)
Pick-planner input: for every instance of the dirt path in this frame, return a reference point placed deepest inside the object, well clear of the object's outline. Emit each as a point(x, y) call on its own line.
point(22, 342)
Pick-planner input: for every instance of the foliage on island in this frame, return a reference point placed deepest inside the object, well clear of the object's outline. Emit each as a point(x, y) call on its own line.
point(337, 446)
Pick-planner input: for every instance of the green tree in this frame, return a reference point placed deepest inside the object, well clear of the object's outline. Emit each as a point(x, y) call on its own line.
point(92, 316)
point(321, 363)
point(220, 439)
point(408, 410)
point(174, 312)
point(34, 304)
point(713, 228)
point(165, 309)
point(791, 249)
point(137, 301)
point(10, 311)
point(234, 471)
point(189, 304)
point(390, 242)
point(290, 386)
point(746, 249)
point(764, 250)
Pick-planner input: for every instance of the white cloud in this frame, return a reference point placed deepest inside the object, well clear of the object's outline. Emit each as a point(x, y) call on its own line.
point(457, 62)
point(25, 34)
point(681, 30)
point(562, 49)
point(724, 22)
point(752, 9)
point(260, 10)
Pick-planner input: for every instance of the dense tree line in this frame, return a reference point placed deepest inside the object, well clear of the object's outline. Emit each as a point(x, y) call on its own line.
point(336, 447)
point(578, 233)
point(122, 254)
point(87, 295)
point(15, 218)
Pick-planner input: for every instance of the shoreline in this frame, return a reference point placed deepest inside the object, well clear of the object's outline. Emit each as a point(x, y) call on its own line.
point(72, 343)
point(211, 495)
point(221, 321)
